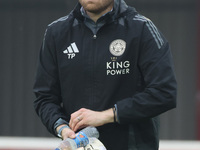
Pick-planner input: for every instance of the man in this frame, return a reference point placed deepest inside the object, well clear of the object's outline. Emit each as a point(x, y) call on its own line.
point(107, 66)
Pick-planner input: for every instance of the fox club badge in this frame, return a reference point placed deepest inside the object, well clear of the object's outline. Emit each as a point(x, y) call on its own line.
point(117, 47)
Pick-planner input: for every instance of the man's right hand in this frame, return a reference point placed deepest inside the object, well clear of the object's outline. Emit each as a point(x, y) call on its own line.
point(66, 132)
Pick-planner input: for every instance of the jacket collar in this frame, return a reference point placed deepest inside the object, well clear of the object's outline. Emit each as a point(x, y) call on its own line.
point(120, 6)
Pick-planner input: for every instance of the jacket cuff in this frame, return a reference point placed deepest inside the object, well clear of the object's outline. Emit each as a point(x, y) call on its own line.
point(117, 113)
point(59, 122)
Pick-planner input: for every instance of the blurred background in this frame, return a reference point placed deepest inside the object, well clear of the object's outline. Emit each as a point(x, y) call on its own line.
point(22, 26)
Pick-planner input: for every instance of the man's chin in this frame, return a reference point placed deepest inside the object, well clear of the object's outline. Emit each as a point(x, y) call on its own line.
point(92, 9)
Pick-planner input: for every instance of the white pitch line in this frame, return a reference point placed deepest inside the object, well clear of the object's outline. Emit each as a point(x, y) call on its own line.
point(29, 143)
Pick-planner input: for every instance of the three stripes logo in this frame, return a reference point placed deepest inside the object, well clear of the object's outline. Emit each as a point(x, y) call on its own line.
point(152, 28)
point(71, 51)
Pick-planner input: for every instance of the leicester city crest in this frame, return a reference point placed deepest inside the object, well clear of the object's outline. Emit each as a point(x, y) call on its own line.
point(117, 47)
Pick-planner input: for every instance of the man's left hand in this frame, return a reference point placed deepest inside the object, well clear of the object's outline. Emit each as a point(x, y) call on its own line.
point(85, 117)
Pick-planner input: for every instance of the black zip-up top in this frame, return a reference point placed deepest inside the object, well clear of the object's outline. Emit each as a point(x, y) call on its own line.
point(122, 59)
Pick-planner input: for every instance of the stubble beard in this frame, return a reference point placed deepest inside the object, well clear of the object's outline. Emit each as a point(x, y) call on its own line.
point(96, 9)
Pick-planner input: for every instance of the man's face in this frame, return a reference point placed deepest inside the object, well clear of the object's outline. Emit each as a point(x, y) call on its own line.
point(96, 6)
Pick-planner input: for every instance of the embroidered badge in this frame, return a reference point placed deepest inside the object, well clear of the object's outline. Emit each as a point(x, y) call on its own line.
point(117, 47)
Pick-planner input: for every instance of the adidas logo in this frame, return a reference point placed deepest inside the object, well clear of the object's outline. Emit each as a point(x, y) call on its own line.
point(71, 51)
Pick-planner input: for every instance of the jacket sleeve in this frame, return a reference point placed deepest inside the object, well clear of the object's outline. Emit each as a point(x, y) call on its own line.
point(156, 66)
point(46, 86)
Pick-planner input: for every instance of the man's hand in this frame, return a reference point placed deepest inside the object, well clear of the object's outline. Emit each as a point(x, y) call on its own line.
point(85, 117)
point(66, 133)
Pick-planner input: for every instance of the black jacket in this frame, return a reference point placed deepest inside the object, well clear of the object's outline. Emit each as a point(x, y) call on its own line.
point(123, 59)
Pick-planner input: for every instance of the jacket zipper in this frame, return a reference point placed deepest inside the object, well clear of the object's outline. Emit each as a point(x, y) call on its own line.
point(93, 70)
point(93, 66)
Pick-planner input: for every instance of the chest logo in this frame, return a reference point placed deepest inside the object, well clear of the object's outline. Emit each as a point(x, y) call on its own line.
point(71, 51)
point(117, 47)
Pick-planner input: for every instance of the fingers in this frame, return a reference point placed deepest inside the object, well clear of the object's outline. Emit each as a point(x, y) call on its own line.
point(79, 125)
point(77, 120)
point(68, 133)
point(85, 117)
point(76, 123)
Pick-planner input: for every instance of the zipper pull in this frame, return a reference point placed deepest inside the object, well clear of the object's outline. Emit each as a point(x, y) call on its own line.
point(95, 36)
